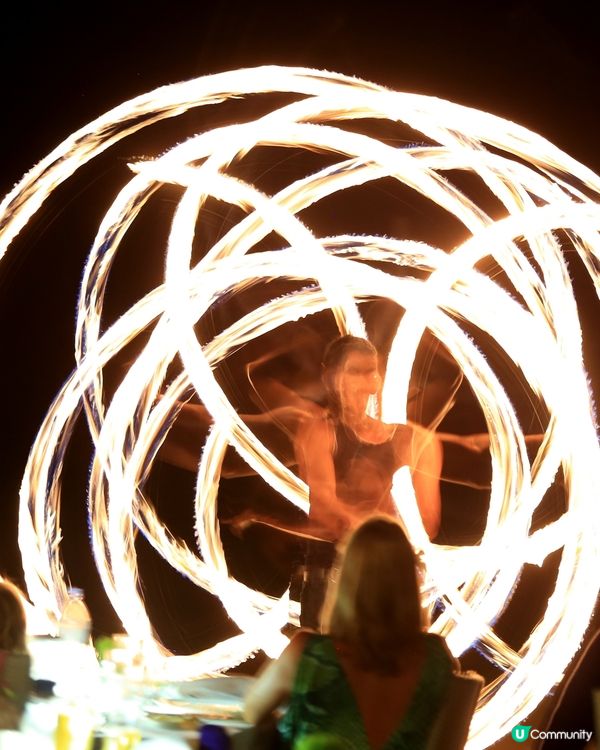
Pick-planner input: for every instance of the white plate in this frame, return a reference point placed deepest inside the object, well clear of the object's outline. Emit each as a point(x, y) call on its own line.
point(208, 712)
point(234, 688)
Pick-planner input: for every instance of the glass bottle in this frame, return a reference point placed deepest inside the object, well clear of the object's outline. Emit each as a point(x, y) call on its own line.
point(75, 623)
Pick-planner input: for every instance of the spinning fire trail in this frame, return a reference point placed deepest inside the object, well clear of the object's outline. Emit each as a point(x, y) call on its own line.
point(545, 196)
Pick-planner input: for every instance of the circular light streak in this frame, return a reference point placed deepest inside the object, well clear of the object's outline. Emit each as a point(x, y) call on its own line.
point(542, 191)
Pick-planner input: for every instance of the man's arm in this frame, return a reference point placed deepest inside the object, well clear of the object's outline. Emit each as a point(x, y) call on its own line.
point(183, 443)
point(426, 468)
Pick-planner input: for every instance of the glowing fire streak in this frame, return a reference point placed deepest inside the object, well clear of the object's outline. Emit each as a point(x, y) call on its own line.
point(542, 191)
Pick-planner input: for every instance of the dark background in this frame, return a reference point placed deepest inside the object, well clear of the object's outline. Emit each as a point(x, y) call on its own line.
point(534, 63)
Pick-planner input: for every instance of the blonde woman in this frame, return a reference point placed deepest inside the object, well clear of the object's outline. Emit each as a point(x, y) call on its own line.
point(375, 679)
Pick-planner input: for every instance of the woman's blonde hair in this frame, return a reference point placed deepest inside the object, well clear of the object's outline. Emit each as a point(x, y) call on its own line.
point(13, 623)
point(376, 605)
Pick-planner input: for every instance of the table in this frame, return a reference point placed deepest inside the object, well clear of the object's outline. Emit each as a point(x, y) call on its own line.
point(170, 718)
point(163, 714)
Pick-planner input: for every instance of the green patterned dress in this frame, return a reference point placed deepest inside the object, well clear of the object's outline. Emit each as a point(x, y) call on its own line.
point(322, 701)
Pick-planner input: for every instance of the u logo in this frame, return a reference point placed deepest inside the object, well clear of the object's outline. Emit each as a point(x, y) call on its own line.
point(520, 733)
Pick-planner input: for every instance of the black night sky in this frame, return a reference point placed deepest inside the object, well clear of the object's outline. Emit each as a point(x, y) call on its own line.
point(531, 62)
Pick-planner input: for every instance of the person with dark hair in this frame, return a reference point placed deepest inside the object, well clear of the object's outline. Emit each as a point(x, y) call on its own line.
point(365, 452)
point(375, 678)
point(348, 458)
point(15, 662)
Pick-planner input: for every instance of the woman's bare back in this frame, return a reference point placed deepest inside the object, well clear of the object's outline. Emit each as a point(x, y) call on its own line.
point(382, 700)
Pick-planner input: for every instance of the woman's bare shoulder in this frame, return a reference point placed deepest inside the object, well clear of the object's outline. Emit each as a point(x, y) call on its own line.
point(299, 640)
point(292, 653)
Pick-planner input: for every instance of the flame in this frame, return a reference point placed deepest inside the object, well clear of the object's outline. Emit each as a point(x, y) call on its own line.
point(542, 190)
